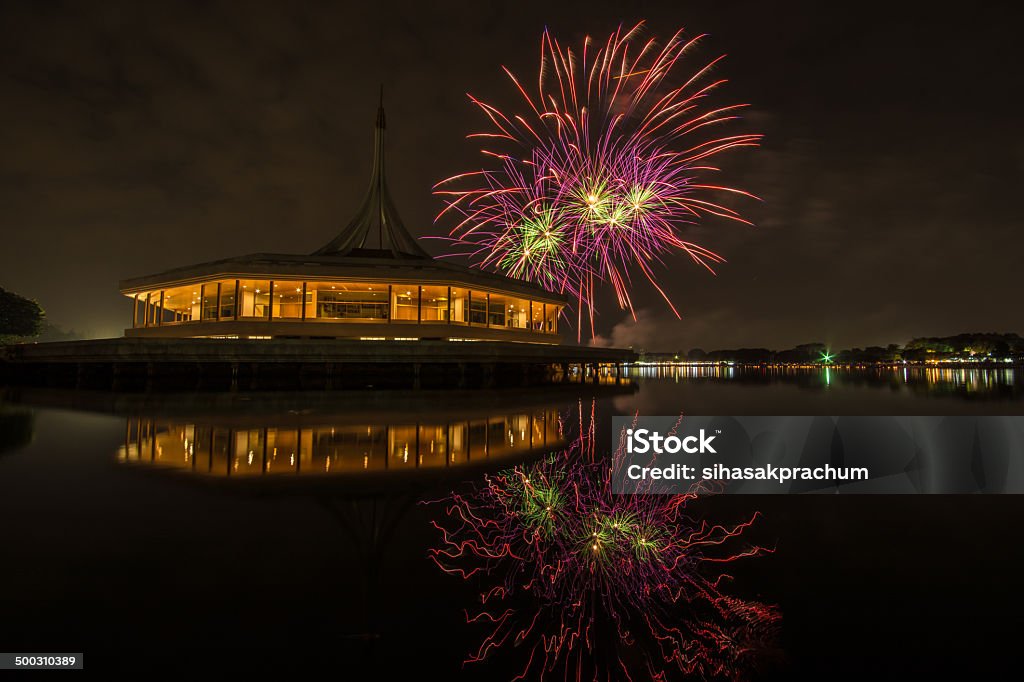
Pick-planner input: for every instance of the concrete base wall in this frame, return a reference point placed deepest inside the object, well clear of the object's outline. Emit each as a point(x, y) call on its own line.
point(319, 329)
point(301, 364)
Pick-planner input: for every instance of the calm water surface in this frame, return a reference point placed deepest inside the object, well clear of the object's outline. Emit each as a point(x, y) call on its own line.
point(282, 531)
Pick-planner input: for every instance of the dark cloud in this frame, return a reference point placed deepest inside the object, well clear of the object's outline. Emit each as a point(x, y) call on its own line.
point(142, 136)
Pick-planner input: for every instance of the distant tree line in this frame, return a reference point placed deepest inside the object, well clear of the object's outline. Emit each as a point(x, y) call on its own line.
point(22, 320)
point(981, 346)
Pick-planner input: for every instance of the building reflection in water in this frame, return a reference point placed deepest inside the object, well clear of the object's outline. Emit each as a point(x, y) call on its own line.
point(242, 448)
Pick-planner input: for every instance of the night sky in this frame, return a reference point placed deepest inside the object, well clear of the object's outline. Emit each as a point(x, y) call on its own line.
point(136, 137)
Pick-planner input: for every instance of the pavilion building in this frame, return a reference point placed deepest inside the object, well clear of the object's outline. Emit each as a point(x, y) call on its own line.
point(371, 282)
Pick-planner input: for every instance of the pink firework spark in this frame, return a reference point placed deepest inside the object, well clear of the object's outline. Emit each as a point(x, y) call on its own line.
point(603, 170)
point(589, 584)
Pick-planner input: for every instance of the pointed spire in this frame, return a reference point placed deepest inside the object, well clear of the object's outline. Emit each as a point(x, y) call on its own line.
point(378, 211)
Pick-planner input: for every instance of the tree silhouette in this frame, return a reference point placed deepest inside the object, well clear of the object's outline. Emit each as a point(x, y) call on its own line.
point(19, 316)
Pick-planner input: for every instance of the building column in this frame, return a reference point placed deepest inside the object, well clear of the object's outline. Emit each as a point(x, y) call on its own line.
point(229, 453)
point(270, 313)
point(217, 316)
point(209, 458)
point(264, 460)
point(447, 444)
point(418, 456)
point(238, 298)
point(303, 301)
point(135, 311)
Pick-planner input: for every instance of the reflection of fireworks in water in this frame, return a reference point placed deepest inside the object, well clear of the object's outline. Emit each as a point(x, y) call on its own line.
point(607, 165)
point(597, 584)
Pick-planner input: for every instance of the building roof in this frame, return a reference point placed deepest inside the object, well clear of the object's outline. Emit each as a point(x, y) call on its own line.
point(377, 217)
point(374, 245)
point(330, 267)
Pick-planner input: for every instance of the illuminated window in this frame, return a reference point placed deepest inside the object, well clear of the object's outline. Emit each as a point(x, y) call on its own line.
point(460, 305)
point(405, 302)
point(435, 304)
point(208, 294)
point(551, 318)
point(496, 311)
point(537, 316)
point(227, 299)
point(181, 304)
point(287, 301)
point(506, 311)
point(254, 298)
point(478, 307)
point(347, 301)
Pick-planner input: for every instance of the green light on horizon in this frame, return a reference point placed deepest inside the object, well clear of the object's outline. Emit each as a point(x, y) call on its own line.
point(827, 357)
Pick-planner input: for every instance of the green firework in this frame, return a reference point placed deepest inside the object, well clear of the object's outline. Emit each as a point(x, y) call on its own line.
point(646, 541)
point(540, 505)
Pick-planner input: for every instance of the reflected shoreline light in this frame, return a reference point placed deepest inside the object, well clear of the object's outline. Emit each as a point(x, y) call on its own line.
point(978, 382)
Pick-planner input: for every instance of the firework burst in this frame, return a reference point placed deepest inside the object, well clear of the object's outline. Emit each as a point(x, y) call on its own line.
point(595, 179)
point(596, 585)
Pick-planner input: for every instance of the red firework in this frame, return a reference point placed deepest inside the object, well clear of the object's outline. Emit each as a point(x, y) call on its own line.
point(597, 177)
point(594, 584)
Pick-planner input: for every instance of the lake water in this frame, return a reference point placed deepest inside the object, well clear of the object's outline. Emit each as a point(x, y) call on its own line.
point(283, 532)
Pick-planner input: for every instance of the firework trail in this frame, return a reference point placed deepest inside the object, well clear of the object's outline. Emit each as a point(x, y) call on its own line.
point(602, 170)
point(600, 586)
